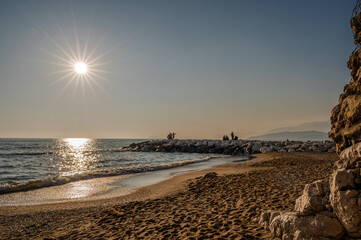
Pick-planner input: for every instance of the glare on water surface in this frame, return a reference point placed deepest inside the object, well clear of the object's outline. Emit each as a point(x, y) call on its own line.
point(76, 154)
point(72, 166)
point(76, 158)
point(77, 143)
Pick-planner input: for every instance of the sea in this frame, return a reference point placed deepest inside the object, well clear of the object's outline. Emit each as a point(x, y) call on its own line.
point(30, 164)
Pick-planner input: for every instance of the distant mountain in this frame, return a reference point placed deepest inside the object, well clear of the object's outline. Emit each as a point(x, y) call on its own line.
point(322, 126)
point(296, 136)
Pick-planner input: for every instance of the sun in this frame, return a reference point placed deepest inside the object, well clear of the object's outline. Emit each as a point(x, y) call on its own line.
point(78, 61)
point(80, 67)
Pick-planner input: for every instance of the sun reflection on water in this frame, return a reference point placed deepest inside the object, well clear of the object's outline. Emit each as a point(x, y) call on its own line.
point(76, 143)
point(77, 155)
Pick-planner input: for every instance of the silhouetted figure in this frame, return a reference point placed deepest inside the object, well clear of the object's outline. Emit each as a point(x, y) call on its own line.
point(232, 135)
point(225, 137)
point(235, 137)
point(249, 149)
point(171, 136)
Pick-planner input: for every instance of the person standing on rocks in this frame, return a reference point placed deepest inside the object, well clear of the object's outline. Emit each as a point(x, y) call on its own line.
point(249, 151)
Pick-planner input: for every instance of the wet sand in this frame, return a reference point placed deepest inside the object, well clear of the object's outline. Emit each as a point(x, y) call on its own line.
point(187, 206)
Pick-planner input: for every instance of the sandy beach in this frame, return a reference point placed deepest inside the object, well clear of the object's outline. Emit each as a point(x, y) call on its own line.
point(187, 206)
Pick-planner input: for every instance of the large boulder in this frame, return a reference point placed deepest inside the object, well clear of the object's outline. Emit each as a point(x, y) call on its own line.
point(267, 217)
point(315, 198)
point(256, 147)
point(345, 198)
point(291, 226)
point(345, 119)
point(351, 153)
point(266, 149)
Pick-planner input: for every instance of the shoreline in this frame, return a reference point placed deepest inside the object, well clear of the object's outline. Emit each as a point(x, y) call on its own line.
point(185, 206)
point(85, 185)
point(173, 184)
point(104, 188)
point(58, 180)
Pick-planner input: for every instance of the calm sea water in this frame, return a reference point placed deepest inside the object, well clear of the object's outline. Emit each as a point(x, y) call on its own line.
point(35, 163)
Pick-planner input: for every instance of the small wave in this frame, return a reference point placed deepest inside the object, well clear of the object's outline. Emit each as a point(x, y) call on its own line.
point(29, 146)
point(6, 166)
point(12, 186)
point(26, 153)
point(104, 150)
point(51, 153)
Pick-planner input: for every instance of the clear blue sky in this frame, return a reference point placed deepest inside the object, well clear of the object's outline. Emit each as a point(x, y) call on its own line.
point(199, 68)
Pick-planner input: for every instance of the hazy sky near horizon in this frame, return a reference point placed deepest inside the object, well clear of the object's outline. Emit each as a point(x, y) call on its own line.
point(197, 68)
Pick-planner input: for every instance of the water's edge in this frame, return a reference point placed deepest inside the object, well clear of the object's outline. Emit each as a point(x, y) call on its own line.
point(32, 184)
point(107, 187)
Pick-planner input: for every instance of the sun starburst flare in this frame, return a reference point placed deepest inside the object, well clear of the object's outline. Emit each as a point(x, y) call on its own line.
point(76, 63)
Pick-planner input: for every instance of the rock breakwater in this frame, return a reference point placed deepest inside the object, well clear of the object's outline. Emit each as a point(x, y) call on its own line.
point(230, 147)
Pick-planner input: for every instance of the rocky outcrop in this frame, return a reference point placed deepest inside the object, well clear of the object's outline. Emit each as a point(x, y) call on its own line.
point(346, 116)
point(312, 218)
point(315, 198)
point(331, 209)
point(345, 183)
point(345, 199)
point(289, 225)
point(230, 147)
